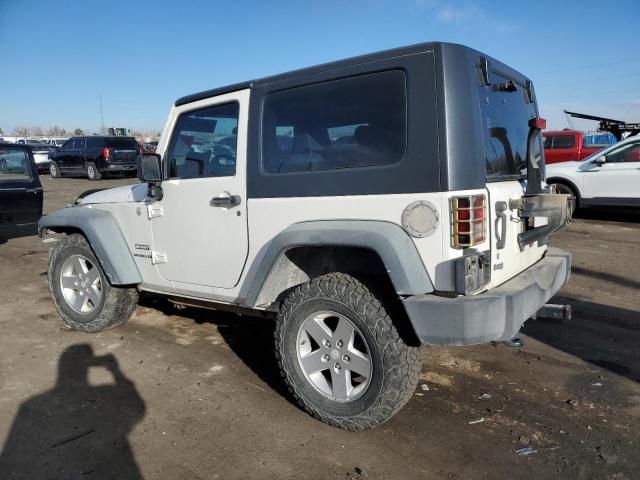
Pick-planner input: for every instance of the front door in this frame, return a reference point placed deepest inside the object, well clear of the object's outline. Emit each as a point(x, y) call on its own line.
point(200, 225)
point(618, 179)
point(20, 193)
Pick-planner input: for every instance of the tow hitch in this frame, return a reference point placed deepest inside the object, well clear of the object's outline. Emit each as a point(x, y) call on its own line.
point(552, 311)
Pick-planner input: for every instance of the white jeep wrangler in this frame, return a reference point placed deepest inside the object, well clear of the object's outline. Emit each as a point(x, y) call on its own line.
point(374, 204)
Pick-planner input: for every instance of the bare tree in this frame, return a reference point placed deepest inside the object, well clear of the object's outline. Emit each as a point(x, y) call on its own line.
point(78, 131)
point(21, 131)
point(37, 131)
point(55, 131)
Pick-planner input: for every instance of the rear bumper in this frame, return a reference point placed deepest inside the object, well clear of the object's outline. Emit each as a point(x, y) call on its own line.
point(492, 316)
point(120, 167)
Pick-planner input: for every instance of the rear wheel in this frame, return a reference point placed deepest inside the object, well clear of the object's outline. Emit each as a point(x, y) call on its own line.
point(341, 355)
point(92, 172)
point(81, 293)
point(54, 171)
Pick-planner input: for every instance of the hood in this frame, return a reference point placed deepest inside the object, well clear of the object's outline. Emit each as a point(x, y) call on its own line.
point(124, 194)
point(552, 168)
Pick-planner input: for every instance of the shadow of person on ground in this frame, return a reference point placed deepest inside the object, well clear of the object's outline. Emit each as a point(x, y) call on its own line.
point(76, 430)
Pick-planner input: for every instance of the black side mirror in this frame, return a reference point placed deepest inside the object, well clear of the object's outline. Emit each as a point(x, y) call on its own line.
point(149, 168)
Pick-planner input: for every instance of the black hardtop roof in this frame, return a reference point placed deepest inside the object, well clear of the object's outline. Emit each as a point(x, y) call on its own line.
point(347, 62)
point(350, 62)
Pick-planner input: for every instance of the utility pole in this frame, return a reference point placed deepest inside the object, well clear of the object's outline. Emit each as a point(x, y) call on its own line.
point(101, 117)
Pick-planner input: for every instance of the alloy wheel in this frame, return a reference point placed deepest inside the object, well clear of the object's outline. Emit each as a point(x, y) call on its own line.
point(334, 356)
point(81, 284)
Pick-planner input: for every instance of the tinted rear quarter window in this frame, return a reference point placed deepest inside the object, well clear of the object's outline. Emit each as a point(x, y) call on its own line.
point(564, 141)
point(353, 122)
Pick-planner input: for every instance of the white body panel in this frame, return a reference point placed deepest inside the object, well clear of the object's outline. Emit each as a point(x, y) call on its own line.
point(203, 244)
point(612, 180)
point(508, 261)
point(40, 158)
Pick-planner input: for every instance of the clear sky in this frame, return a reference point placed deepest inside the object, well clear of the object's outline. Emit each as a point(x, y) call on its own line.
point(58, 57)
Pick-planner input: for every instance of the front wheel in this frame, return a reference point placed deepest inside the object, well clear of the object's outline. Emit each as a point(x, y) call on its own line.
point(341, 355)
point(81, 292)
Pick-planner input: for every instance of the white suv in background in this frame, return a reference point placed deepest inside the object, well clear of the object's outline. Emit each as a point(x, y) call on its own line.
point(610, 177)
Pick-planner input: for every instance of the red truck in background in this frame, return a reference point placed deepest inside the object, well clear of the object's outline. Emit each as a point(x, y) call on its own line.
point(569, 145)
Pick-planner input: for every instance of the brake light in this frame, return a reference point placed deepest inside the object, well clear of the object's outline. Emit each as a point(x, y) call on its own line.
point(105, 152)
point(538, 123)
point(468, 223)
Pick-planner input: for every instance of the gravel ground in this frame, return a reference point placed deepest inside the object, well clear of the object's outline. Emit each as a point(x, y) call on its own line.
point(185, 393)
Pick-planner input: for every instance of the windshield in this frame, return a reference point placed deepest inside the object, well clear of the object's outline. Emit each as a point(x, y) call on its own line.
point(505, 117)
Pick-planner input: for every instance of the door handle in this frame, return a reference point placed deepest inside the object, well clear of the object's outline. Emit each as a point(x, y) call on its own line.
point(501, 208)
point(31, 190)
point(225, 200)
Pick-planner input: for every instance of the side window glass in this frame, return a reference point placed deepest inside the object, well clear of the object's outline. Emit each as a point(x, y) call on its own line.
point(204, 143)
point(338, 124)
point(564, 141)
point(80, 144)
point(547, 142)
point(627, 153)
point(14, 165)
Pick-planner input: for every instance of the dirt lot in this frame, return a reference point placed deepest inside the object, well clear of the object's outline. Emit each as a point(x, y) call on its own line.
point(196, 394)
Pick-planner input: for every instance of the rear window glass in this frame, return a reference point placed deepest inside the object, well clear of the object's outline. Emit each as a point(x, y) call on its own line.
point(564, 141)
point(14, 165)
point(505, 116)
point(354, 122)
point(122, 143)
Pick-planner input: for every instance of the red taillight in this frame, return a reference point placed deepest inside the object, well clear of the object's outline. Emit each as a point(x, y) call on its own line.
point(468, 221)
point(538, 122)
point(105, 152)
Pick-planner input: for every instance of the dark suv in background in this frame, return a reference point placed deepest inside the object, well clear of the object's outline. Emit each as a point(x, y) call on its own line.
point(94, 156)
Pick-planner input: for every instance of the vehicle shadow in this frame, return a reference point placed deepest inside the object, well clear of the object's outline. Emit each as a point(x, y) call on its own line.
point(250, 338)
point(22, 232)
point(603, 335)
point(609, 214)
point(76, 429)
